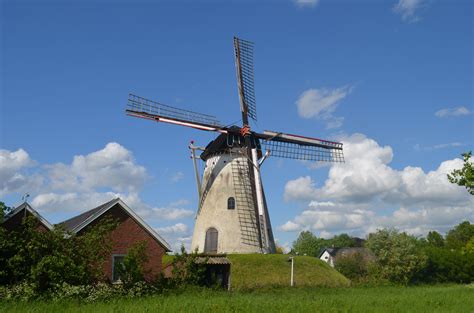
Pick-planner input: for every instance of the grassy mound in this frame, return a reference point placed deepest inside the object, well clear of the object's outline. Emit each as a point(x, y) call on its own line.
point(250, 271)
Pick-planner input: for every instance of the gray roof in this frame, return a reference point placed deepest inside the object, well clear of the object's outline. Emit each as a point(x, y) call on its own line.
point(77, 223)
point(26, 206)
point(336, 252)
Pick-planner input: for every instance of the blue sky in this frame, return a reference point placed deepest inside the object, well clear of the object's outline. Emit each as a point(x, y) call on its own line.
point(392, 79)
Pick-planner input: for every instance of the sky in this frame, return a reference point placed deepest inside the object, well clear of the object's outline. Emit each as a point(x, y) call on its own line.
point(392, 80)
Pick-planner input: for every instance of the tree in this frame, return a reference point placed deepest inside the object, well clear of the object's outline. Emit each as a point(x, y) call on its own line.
point(465, 176)
point(341, 241)
point(398, 255)
point(307, 243)
point(4, 210)
point(435, 239)
point(459, 236)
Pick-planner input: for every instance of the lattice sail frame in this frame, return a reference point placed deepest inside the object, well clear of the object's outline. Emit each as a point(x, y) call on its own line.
point(244, 56)
point(303, 152)
point(137, 104)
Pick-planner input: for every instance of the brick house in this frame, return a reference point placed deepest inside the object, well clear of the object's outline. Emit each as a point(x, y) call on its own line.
point(13, 220)
point(131, 230)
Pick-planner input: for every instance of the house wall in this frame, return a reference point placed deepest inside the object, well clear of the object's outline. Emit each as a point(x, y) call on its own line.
point(326, 257)
point(128, 233)
point(14, 223)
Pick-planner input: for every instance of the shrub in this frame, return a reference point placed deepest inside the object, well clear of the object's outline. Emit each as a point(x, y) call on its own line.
point(354, 266)
point(399, 257)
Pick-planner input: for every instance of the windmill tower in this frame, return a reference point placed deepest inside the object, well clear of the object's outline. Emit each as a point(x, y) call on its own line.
point(232, 214)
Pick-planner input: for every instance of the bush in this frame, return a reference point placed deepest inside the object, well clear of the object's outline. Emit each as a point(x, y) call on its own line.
point(447, 265)
point(354, 266)
point(398, 255)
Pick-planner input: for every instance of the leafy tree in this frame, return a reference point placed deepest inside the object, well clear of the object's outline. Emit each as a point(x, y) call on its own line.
point(131, 269)
point(279, 250)
point(307, 243)
point(398, 255)
point(49, 258)
point(435, 239)
point(186, 269)
point(4, 210)
point(458, 237)
point(342, 240)
point(447, 265)
point(465, 176)
point(354, 266)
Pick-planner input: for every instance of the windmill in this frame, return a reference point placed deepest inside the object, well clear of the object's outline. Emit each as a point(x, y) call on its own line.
point(232, 215)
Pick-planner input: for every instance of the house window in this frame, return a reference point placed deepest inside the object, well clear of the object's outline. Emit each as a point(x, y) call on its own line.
point(231, 203)
point(117, 264)
point(210, 245)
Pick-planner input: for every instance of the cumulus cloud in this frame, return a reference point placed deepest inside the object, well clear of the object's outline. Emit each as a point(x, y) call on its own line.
point(321, 104)
point(112, 167)
point(306, 3)
point(178, 228)
point(290, 226)
point(453, 112)
point(13, 177)
point(359, 195)
point(408, 8)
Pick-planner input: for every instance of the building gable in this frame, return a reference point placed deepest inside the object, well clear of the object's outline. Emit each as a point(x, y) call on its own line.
point(14, 219)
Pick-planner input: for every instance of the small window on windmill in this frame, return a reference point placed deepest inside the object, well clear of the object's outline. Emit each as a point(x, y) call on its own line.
point(231, 203)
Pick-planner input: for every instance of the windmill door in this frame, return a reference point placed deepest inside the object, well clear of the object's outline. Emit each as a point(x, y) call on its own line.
point(211, 241)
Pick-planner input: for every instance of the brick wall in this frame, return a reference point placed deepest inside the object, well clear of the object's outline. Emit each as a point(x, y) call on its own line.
point(127, 233)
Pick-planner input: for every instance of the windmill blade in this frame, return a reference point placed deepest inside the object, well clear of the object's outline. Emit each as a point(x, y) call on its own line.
point(301, 148)
point(245, 78)
point(152, 110)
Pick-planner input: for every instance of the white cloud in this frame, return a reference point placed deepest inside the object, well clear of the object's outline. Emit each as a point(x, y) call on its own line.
point(178, 228)
point(321, 104)
point(176, 177)
point(12, 172)
point(418, 147)
point(307, 3)
point(453, 112)
point(111, 167)
point(290, 226)
point(407, 9)
point(359, 195)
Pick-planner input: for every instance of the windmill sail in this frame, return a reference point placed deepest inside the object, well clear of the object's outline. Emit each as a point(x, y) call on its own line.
point(245, 77)
point(148, 109)
point(301, 148)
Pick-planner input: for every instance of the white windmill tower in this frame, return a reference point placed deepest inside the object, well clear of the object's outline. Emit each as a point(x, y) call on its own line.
point(233, 216)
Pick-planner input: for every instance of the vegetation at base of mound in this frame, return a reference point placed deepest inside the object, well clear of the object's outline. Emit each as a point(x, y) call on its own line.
point(440, 298)
point(250, 271)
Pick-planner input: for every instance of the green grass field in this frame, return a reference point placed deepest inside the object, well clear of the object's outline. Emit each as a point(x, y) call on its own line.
point(250, 271)
point(456, 298)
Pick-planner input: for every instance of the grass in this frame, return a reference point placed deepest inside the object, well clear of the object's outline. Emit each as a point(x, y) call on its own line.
point(456, 298)
point(250, 271)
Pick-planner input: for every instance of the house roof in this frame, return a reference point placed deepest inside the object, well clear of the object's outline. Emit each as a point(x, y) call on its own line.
point(26, 206)
point(79, 222)
point(334, 252)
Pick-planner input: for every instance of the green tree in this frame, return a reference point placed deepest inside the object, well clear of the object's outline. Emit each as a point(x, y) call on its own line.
point(435, 239)
point(131, 270)
point(458, 237)
point(4, 210)
point(354, 266)
point(465, 176)
point(189, 269)
point(307, 243)
point(340, 241)
point(398, 255)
